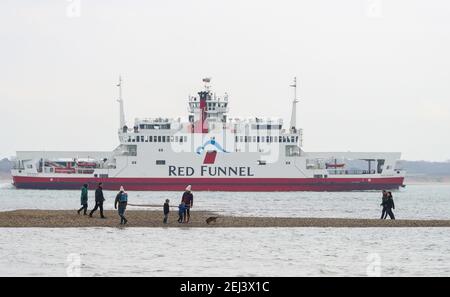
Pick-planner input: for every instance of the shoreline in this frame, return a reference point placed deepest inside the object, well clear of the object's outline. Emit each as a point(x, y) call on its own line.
point(153, 219)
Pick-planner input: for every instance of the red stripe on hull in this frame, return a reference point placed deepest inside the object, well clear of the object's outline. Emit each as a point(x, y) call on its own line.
point(215, 184)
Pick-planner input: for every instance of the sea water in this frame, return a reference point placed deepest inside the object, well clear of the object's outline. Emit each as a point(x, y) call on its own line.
point(234, 251)
point(414, 202)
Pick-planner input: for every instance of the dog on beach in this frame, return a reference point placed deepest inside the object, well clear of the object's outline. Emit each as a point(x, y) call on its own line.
point(211, 219)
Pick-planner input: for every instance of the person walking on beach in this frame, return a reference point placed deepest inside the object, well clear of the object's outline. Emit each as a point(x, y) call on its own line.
point(84, 199)
point(390, 205)
point(122, 201)
point(166, 210)
point(188, 200)
point(181, 210)
point(99, 199)
point(383, 204)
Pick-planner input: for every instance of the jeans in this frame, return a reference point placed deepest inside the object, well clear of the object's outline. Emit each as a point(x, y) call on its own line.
point(166, 217)
point(187, 214)
point(121, 211)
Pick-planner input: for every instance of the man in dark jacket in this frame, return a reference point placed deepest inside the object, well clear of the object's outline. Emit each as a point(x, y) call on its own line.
point(390, 205)
point(99, 199)
point(84, 199)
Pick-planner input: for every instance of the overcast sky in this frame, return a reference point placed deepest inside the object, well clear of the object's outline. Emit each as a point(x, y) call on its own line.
point(374, 74)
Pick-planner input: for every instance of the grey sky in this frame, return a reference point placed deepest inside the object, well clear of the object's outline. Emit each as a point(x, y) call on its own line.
point(374, 75)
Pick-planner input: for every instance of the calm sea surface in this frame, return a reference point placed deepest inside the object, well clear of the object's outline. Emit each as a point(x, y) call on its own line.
point(234, 252)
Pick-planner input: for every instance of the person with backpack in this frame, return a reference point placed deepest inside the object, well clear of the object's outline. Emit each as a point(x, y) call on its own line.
point(121, 201)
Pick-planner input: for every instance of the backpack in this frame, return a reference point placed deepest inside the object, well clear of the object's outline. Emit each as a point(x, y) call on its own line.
point(123, 197)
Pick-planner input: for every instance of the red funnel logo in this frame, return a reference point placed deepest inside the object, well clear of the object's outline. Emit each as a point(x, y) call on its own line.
point(210, 157)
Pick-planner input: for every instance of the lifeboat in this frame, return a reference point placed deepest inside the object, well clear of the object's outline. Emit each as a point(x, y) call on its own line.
point(335, 165)
point(87, 164)
point(64, 170)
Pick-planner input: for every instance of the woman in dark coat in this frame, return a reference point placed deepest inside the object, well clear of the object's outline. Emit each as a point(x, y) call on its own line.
point(390, 206)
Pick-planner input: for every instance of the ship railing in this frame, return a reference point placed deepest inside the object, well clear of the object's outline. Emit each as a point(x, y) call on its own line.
point(350, 172)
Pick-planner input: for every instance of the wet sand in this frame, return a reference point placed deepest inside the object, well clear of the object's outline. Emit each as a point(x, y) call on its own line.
point(143, 218)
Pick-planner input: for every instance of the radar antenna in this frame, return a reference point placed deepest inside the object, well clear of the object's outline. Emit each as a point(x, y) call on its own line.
point(294, 106)
point(120, 100)
point(207, 80)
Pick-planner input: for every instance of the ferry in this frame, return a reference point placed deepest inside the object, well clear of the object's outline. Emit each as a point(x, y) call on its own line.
point(212, 152)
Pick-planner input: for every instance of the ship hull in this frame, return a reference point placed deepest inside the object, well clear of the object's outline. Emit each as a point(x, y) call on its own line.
point(215, 184)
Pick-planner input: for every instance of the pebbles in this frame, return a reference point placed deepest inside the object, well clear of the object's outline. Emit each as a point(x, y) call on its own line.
point(142, 218)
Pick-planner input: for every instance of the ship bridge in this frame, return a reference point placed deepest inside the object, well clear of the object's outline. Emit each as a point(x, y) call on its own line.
point(207, 109)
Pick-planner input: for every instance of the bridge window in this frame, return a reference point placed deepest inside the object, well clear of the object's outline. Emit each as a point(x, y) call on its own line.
point(292, 151)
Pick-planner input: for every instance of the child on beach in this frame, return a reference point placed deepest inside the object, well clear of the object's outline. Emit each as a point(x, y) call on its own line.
point(166, 211)
point(181, 210)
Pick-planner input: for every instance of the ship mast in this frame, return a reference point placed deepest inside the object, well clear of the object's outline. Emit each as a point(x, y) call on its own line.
point(120, 100)
point(294, 106)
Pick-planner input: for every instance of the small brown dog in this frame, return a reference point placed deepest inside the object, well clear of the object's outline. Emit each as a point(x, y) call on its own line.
point(211, 219)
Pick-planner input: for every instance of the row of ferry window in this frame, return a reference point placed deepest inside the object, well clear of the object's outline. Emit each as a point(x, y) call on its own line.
point(154, 126)
point(142, 138)
point(268, 139)
point(246, 139)
point(210, 105)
